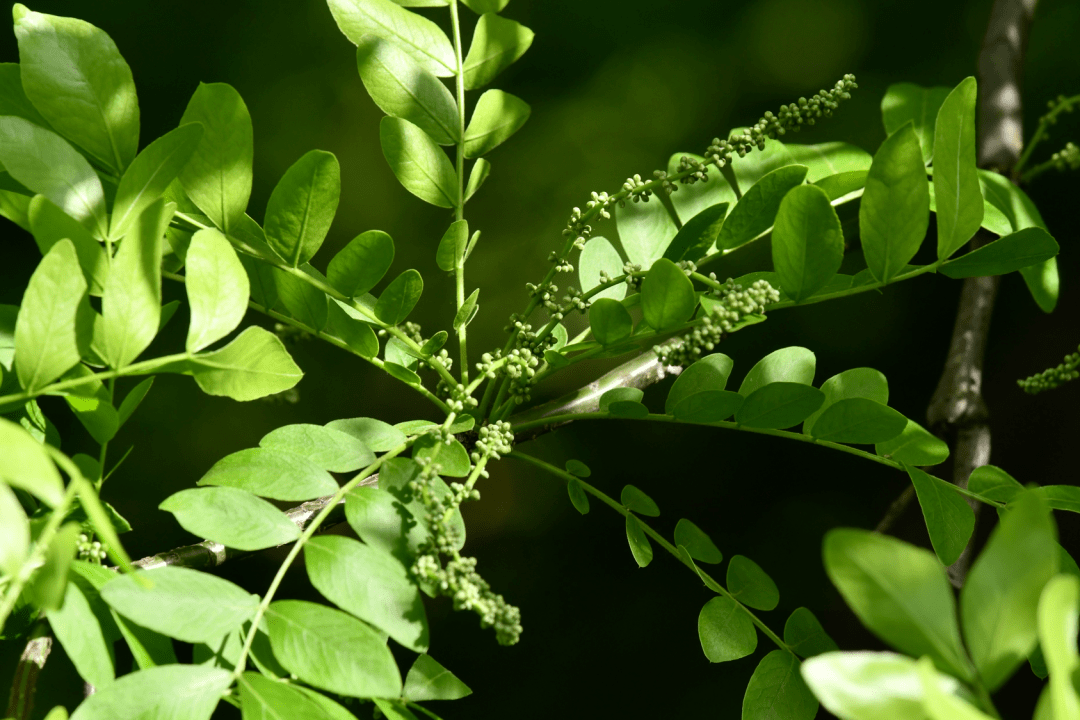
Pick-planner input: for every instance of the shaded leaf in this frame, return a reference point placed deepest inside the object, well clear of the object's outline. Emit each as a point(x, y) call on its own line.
point(803, 634)
point(578, 498)
point(50, 224)
point(949, 519)
point(908, 102)
point(699, 545)
point(634, 499)
point(779, 405)
point(416, 35)
point(858, 420)
point(777, 690)
point(807, 242)
point(1015, 251)
point(302, 206)
point(610, 321)
point(696, 238)
point(750, 585)
point(757, 209)
point(667, 296)
point(639, 541)
point(497, 42)
point(418, 163)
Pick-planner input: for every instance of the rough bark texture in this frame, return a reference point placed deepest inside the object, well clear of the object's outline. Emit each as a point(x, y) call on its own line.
point(957, 411)
point(31, 663)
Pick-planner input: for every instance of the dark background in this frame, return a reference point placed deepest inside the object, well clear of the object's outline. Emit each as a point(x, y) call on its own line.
point(616, 86)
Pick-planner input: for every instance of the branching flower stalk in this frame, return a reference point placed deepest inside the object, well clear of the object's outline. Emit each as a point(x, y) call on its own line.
point(1059, 105)
point(1067, 370)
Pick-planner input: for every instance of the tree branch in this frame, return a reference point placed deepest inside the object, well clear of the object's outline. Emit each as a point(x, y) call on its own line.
point(31, 663)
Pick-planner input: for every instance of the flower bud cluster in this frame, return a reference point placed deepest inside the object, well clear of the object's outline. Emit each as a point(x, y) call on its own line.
point(495, 441)
point(413, 331)
point(734, 304)
point(91, 551)
point(469, 591)
point(634, 187)
point(458, 399)
point(1054, 377)
point(1067, 159)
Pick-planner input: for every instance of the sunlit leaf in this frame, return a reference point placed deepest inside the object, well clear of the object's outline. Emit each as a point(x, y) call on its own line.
point(956, 180)
point(232, 517)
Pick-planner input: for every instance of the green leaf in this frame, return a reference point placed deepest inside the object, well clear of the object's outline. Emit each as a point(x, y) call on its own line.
point(619, 394)
point(870, 685)
point(756, 212)
point(639, 541)
point(235, 518)
point(343, 322)
point(699, 545)
point(46, 588)
point(750, 585)
point(377, 435)
point(369, 584)
point(302, 299)
point(709, 373)
point(428, 680)
point(252, 366)
point(949, 519)
point(326, 447)
point(131, 302)
point(307, 639)
point(1000, 597)
point(634, 499)
point(698, 235)
point(578, 468)
point(907, 102)
point(900, 592)
point(496, 44)
point(78, 81)
point(804, 635)
point(1015, 251)
point(841, 184)
point(860, 421)
point(265, 699)
point(453, 458)
point(77, 628)
point(480, 171)
point(361, 264)
point(13, 100)
point(497, 116)
point(399, 298)
point(451, 250)
point(610, 321)
point(272, 474)
point(402, 373)
point(994, 483)
point(302, 206)
point(854, 383)
point(895, 208)
point(50, 225)
point(467, 311)
point(182, 603)
point(914, 446)
point(779, 405)
point(956, 180)
point(92, 405)
point(578, 498)
point(151, 173)
point(217, 289)
point(790, 364)
point(599, 255)
point(1059, 608)
point(416, 35)
point(1062, 497)
point(217, 178)
point(48, 328)
point(46, 164)
point(708, 406)
point(418, 163)
point(402, 88)
point(646, 230)
point(690, 200)
point(942, 706)
point(725, 630)
point(148, 648)
point(807, 243)
point(169, 692)
point(776, 690)
point(667, 296)
point(485, 6)
point(14, 532)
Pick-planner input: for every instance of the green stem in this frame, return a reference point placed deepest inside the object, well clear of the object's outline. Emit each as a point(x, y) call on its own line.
point(459, 211)
point(105, 445)
point(1040, 132)
point(619, 508)
point(554, 420)
point(294, 551)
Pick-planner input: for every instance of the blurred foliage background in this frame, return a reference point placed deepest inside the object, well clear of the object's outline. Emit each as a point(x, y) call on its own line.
point(616, 86)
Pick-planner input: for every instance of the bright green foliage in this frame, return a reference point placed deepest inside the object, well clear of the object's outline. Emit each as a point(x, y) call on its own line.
point(757, 209)
point(949, 518)
point(24, 464)
point(646, 230)
point(232, 517)
point(610, 321)
point(402, 88)
point(699, 545)
point(498, 115)
point(46, 589)
point(1059, 608)
point(185, 604)
point(326, 447)
point(217, 178)
point(804, 634)
point(217, 288)
point(899, 592)
point(710, 373)
point(667, 296)
point(999, 600)
point(619, 394)
point(696, 238)
point(304, 301)
point(779, 405)
point(264, 698)
point(252, 366)
point(361, 264)
point(776, 689)
point(496, 44)
point(792, 364)
point(807, 243)
point(895, 209)
point(636, 501)
point(956, 180)
point(51, 327)
point(418, 163)
point(854, 383)
point(915, 445)
point(77, 628)
point(428, 680)
point(50, 225)
point(907, 102)
point(1015, 251)
point(451, 250)
point(377, 435)
point(639, 541)
point(725, 630)
point(14, 532)
point(453, 457)
point(858, 420)
point(302, 206)
point(369, 584)
point(272, 474)
point(479, 173)
point(307, 639)
point(750, 585)
point(416, 35)
point(47, 165)
point(600, 256)
point(171, 692)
